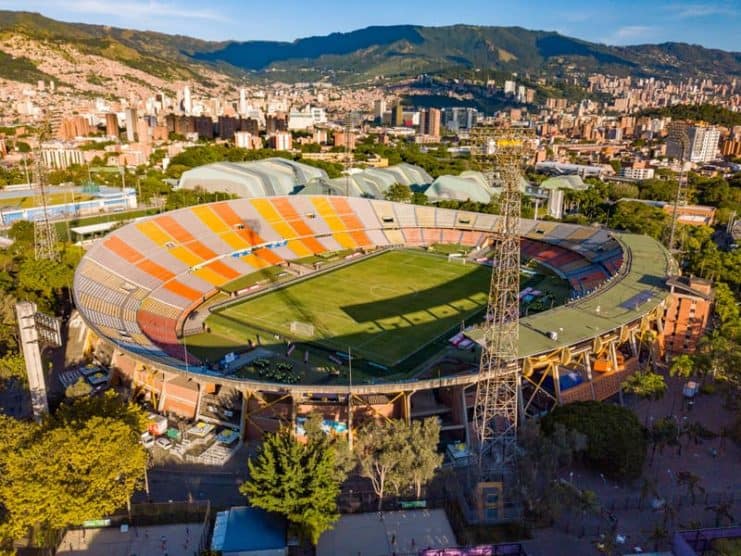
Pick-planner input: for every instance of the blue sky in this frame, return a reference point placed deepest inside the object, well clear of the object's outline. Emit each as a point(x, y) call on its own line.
point(712, 23)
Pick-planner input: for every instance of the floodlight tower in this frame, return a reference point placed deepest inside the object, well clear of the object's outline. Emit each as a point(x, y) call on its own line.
point(44, 232)
point(348, 163)
point(495, 413)
point(678, 134)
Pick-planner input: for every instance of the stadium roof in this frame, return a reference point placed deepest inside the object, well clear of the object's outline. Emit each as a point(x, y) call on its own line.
point(614, 305)
point(260, 178)
point(565, 182)
point(460, 188)
point(374, 182)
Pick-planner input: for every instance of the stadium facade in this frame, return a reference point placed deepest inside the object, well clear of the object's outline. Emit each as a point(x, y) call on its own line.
point(140, 288)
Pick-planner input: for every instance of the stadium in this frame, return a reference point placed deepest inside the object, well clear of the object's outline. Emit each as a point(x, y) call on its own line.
point(255, 312)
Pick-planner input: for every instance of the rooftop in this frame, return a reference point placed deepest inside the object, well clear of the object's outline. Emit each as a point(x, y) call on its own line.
point(621, 301)
point(248, 529)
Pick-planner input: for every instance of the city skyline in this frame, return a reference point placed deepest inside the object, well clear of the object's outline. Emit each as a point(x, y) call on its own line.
point(711, 24)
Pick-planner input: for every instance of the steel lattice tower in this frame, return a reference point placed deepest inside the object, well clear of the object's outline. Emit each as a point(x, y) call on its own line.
point(495, 414)
point(349, 158)
point(44, 231)
point(678, 133)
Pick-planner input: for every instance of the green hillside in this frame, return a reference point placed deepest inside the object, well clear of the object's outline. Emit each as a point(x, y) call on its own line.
point(393, 52)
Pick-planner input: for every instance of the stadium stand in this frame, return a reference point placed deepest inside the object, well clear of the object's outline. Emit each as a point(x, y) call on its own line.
point(137, 285)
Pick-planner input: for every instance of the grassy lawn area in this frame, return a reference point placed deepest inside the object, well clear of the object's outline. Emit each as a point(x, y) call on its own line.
point(51, 199)
point(384, 308)
point(325, 257)
point(270, 274)
point(448, 248)
point(107, 217)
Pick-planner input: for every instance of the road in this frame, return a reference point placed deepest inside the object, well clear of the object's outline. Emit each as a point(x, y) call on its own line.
point(221, 488)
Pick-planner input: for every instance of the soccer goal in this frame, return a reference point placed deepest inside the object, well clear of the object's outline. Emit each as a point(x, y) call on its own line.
point(303, 329)
point(456, 258)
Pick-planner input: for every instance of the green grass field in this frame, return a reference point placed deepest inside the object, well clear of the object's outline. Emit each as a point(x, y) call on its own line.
point(385, 308)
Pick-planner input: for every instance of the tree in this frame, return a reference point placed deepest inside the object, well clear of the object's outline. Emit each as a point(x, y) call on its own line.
point(109, 406)
point(616, 441)
point(419, 198)
point(543, 456)
point(423, 437)
point(692, 483)
point(62, 475)
point(646, 384)
point(658, 535)
point(398, 456)
point(398, 193)
point(12, 367)
point(649, 489)
point(658, 190)
point(664, 432)
point(296, 480)
point(682, 366)
point(78, 389)
point(722, 511)
point(378, 447)
point(640, 218)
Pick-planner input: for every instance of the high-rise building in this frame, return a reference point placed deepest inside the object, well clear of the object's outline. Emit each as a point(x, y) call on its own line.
point(76, 126)
point(379, 109)
point(687, 314)
point(111, 125)
point(282, 141)
point(701, 144)
point(131, 125)
point(187, 101)
point(510, 87)
point(185, 125)
point(458, 118)
point(142, 130)
point(250, 125)
point(341, 139)
point(244, 139)
point(429, 122)
point(275, 122)
point(59, 156)
point(227, 126)
point(204, 127)
point(397, 116)
point(242, 108)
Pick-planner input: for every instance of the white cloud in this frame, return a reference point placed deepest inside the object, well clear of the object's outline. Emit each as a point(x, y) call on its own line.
point(689, 11)
point(632, 32)
point(125, 10)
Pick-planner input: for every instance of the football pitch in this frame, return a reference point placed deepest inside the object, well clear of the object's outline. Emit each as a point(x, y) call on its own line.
point(383, 308)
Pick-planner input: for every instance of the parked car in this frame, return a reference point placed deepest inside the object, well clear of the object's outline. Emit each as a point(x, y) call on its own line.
point(164, 443)
point(147, 440)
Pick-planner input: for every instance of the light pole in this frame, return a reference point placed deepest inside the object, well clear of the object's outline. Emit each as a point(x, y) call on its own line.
point(679, 134)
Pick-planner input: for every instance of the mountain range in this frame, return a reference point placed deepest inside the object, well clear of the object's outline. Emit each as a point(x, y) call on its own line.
point(389, 52)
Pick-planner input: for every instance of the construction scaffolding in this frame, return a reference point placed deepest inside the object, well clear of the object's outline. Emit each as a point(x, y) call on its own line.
point(495, 413)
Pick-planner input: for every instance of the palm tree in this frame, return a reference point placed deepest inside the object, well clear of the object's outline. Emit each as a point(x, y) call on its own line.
point(658, 535)
point(692, 482)
point(648, 489)
point(722, 510)
point(670, 514)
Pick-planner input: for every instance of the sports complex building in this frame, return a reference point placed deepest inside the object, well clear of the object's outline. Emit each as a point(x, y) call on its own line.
point(248, 312)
